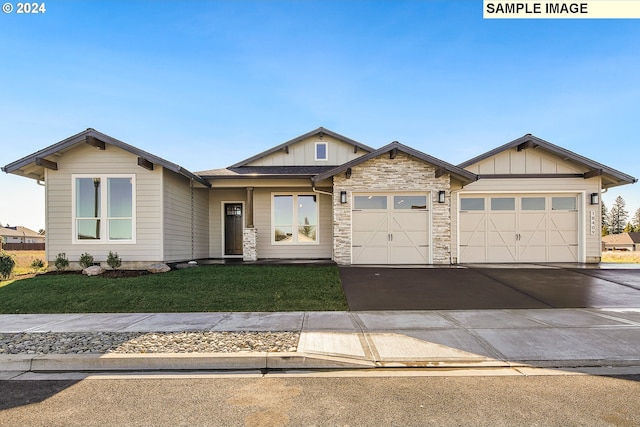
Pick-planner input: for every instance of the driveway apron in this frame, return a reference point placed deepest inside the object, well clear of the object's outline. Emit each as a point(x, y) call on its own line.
point(479, 287)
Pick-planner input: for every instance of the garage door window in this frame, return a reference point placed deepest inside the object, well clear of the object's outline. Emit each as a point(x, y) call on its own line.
point(533, 203)
point(503, 203)
point(409, 202)
point(472, 204)
point(563, 203)
point(370, 202)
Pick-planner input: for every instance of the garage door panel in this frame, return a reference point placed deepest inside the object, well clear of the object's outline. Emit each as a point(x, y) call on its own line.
point(497, 238)
point(409, 255)
point(370, 255)
point(559, 238)
point(538, 237)
point(532, 221)
point(533, 253)
point(369, 221)
point(473, 253)
point(417, 221)
point(473, 238)
point(502, 221)
point(563, 253)
point(363, 238)
point(501, 254)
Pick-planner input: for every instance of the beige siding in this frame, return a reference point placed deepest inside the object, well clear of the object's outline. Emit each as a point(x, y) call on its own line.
point(303, 154)
point(591, 246)
point(262, 219)
point(178, 227)
point(217, 198)
point(529, 161)
point(89, 160)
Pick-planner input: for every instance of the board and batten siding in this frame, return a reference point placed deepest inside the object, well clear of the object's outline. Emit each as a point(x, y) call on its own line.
point(263, 218)
point(529, 161)
point(177, 229)
point(519, 186)
point(85, 159)
point(217, 198)
point(303, 153)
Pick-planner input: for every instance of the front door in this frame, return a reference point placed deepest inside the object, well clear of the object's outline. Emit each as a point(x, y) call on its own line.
point(233, 228)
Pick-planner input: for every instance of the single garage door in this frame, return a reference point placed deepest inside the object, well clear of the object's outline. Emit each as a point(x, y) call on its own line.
point(519, 228)
point(390, 229)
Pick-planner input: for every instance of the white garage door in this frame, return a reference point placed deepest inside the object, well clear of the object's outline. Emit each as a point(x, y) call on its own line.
point(518, 228)
point(390, 229)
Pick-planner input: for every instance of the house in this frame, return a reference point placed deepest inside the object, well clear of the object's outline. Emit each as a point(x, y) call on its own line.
point(322, 195)
point(20, 234)
point(621, 242)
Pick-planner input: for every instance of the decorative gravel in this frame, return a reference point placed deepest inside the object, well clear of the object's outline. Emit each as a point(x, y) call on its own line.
point(149, 342)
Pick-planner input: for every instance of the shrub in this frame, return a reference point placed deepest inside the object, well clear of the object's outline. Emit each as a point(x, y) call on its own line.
point(61, 261)
point(6, 265)
point(37, 264)
point(86, 260)
point(113, 260)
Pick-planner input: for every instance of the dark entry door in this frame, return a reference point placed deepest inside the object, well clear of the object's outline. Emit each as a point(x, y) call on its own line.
point(233, 228)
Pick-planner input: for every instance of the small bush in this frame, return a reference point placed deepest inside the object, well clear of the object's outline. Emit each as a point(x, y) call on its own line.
point(86, 260)
point(37, 264)
point(61, 261)
point(113, 260)
point(6, 265)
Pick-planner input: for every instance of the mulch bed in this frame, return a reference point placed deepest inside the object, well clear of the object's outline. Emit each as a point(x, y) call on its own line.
point(109, 274)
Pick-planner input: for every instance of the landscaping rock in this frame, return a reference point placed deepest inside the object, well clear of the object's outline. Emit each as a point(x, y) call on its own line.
point(158, 268)
point(94, 270)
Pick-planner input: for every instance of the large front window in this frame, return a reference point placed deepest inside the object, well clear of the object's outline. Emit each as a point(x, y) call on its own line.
point(103, 208)
point(295, 218)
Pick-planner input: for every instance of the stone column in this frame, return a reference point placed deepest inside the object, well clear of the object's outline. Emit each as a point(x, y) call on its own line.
point(249, 244)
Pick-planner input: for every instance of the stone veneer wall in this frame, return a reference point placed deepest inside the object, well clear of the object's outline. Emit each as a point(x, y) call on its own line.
point(382, 174)
point(249, 244)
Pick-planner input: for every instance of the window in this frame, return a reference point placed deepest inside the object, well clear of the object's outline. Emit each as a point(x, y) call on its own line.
point(563, 203)
point(321, 151)
point(409, 202)
point(370, 202)
point(503, 203)
point(103, 208)
point(295, 218)
point(533, 203)
point(472, 204)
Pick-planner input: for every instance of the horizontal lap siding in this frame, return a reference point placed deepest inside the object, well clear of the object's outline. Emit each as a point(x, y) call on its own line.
point(262, 219)
point(112, 160)
point(177, 219)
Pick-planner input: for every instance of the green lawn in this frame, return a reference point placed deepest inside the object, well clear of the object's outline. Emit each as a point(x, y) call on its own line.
point(206, 288)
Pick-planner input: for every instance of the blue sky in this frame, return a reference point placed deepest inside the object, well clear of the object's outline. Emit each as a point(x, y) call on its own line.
point(208, 83)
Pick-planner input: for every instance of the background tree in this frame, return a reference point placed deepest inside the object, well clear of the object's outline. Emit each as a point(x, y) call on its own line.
point(604, 219)
point(628, 228)
point(618, 216)
point(636, 221)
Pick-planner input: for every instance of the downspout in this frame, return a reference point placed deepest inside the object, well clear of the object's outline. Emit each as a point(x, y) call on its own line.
point(315, 190)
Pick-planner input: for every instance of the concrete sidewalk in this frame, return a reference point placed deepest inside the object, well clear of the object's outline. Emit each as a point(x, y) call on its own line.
point(564, 338)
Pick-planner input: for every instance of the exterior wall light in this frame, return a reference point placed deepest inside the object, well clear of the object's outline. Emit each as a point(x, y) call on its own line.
point(595, 198)
point(348, 173)
point(441, 196)
point(343, 197)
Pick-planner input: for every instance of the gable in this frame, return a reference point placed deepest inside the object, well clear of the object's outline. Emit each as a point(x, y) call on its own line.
point(301, 151)
point(528, 162)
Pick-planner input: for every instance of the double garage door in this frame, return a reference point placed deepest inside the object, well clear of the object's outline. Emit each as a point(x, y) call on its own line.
point(390, 229)
point(518, 228)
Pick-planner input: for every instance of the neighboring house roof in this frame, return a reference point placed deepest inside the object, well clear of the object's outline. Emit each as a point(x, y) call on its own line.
point(611, 177)
point(32, 166)
point(444, 167)
point(622, 239)
point(19, 231)
point(319, 131)
point(265, 172)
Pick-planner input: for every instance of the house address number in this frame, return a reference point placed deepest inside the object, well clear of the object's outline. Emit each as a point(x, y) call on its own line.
point(593, 223)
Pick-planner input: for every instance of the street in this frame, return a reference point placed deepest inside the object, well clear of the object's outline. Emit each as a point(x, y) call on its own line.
point(330, 400)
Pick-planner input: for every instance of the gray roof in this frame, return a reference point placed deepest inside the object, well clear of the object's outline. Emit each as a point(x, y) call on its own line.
point(265, 172)
point(81, 137)
point(459, 173)
point(612, 176)
point(314, 132)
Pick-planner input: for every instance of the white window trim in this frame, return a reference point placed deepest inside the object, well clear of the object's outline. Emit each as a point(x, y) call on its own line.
point(295, 218)
point(326, 151)
point(103, 216)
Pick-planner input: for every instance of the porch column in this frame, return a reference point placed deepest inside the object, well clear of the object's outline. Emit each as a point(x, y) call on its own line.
point(249, 209)
point(249, 234)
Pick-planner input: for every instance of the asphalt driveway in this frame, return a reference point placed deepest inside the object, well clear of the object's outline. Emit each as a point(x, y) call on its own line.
point(484, 287)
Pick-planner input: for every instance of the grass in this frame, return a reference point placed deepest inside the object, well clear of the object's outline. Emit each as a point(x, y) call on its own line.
point(621, 257)
point(206, 288)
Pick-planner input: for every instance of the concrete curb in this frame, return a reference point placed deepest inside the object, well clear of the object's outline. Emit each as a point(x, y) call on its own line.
point(260, 361)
